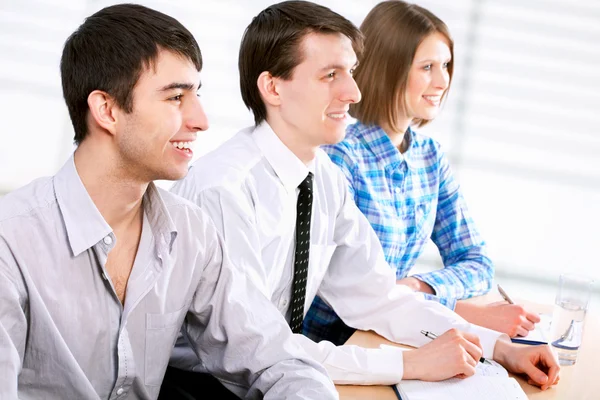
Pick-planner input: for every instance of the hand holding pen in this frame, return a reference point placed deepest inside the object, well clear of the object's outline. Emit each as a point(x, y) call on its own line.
point(432, 336)
point(451, 354)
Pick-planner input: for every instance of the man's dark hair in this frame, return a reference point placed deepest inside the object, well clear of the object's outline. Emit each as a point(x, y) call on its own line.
point(272, 43)
point(109, 52)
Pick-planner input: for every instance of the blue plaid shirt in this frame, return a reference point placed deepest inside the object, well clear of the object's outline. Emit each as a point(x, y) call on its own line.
point(409, 198)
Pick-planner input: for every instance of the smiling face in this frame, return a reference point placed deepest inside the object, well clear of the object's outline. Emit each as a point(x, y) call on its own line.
point(313, 105)
point(428, 78)
point(154, 140)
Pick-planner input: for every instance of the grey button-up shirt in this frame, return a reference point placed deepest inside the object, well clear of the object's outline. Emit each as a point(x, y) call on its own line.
point(65, 335)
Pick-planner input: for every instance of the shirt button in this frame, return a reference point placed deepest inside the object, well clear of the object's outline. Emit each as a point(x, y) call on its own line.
point(107, 240)
point(284, 303)
point(397, 190)
point(120, 391)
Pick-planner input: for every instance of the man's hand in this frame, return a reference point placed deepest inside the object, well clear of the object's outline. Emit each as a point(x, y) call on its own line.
point(452, 354)
point(416, 285)
point(537, 362)
point(511, 319)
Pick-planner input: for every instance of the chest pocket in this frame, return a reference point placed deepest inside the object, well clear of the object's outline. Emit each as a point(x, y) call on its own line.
point(421, 217)
point(161, 334)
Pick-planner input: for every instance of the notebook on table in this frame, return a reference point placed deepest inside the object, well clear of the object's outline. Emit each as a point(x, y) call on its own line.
point(490, 382)
point(541, 333)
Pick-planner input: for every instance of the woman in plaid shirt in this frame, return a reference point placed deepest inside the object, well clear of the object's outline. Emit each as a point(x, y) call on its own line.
point(401, 180)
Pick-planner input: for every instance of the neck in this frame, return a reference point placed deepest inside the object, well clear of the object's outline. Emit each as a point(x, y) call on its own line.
point(293, 141)
point(397, 134)
point(117, 196)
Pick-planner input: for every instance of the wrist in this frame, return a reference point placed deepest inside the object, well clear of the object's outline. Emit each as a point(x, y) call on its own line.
point(469, 311)
point(501, 349)
point(417, 285)
point(409, 368)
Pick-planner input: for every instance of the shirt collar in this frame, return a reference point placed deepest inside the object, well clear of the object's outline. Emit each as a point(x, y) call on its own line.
point(86, 226)
point(290, 170)
point(379, 143)
point(84, 223)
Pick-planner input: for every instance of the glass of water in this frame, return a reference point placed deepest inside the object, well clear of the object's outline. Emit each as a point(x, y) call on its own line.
point(568, 319)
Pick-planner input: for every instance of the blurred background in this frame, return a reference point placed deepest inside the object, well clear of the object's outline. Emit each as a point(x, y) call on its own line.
point(521, 123)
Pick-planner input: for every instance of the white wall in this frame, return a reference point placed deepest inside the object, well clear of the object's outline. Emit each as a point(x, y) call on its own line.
point(521, 122)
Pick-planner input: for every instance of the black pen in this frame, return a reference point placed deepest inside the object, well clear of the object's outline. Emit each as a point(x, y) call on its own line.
point(505, 295)
point(431, 335)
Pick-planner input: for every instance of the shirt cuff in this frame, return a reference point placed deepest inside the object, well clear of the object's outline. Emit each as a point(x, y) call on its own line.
point(487, 338)
point(448, 302)
point(382, 366)
point(355, 365)
point(440, 287)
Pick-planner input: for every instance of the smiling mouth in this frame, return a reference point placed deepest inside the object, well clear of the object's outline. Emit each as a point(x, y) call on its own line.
point(185, 146)
point(433, 100)
point(338, 116)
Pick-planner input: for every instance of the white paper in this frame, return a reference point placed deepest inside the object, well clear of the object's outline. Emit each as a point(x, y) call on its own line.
point(541, 333)
point(476, 387)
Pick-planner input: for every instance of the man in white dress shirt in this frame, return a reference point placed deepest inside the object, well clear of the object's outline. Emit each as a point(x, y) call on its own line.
point(100, 269)
point(296, 62)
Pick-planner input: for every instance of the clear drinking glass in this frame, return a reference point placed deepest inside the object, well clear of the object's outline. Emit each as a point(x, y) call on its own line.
point(571, 304)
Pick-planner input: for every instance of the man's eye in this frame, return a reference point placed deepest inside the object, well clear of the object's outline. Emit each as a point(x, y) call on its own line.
point(176, 98)
point(427, 67)
point(331, 75)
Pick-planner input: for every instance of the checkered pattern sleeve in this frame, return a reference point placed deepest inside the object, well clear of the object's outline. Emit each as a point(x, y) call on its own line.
point(467, 269)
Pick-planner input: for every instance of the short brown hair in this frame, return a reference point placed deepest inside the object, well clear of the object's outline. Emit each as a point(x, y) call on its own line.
point(109, 51)
point(393, 31)
point(272, 41)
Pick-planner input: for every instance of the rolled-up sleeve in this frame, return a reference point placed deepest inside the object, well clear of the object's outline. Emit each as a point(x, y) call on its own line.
point(244, 340)
point(468, 271)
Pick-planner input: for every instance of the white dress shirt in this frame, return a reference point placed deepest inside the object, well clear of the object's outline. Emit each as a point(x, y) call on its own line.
point(64, 333)
point(249, 188)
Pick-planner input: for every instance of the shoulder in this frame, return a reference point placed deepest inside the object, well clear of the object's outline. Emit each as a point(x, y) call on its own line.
point(351, 151)
point(426, 144)
point(229, 165)
point(328, 171)
point(28, 199)
point(188, 217)
point(351, 146)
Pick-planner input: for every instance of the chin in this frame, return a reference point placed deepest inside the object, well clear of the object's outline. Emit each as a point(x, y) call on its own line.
point(335, 137)
point(173, 174)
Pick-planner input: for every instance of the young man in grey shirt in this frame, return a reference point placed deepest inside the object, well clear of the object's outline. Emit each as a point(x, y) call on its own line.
point(99, 269)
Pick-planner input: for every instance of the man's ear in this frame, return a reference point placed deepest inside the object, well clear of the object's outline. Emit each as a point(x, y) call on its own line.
point(103, 110)
point(267, 86)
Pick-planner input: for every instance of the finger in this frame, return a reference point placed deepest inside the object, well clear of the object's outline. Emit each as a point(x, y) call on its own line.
point(527, 324)
point(553, 369)
point(538, 377)
point(533, 317)
point(468, 370)
point(522, 331)
point(474, 339)
point(473, 353)
point(470, 360)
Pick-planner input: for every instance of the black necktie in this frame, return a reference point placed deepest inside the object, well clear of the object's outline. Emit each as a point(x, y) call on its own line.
point(303, 211)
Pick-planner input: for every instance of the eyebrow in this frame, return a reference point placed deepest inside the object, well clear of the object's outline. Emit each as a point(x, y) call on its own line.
point(432, 60)
point(179, 85)
point(338, 66)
